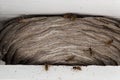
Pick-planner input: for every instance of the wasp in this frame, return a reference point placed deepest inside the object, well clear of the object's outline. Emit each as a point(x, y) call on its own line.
point(109, 42)
point(21, 19)
point(77, 68)
point(46, 67)
point(70, 58)
point(70, 16)
point(91, 52)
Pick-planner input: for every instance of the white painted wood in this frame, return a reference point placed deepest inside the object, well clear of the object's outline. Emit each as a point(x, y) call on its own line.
point(59, 73)
point(12, 8)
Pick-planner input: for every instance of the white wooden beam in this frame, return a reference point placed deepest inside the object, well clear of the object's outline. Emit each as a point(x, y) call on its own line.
point(22, 72)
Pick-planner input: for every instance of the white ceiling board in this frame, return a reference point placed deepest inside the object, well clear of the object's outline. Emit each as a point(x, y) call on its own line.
point(10, 8)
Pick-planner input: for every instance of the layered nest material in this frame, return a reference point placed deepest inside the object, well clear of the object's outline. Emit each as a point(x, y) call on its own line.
point(61, 40)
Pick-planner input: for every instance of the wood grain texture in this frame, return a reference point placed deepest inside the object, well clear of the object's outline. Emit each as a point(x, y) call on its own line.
point(58, 40)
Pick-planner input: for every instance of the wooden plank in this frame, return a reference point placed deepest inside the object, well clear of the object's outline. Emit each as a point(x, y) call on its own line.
point(20, 72)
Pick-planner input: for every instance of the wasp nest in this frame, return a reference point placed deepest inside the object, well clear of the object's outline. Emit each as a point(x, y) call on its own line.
point(59, 40)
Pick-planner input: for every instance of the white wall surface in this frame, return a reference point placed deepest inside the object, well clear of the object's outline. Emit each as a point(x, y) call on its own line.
point(11, 8)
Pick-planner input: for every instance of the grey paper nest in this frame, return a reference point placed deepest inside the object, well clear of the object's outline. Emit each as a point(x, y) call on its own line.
point(59, 40)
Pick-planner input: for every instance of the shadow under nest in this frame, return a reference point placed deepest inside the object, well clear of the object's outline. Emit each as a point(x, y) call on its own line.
point(61, 40)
